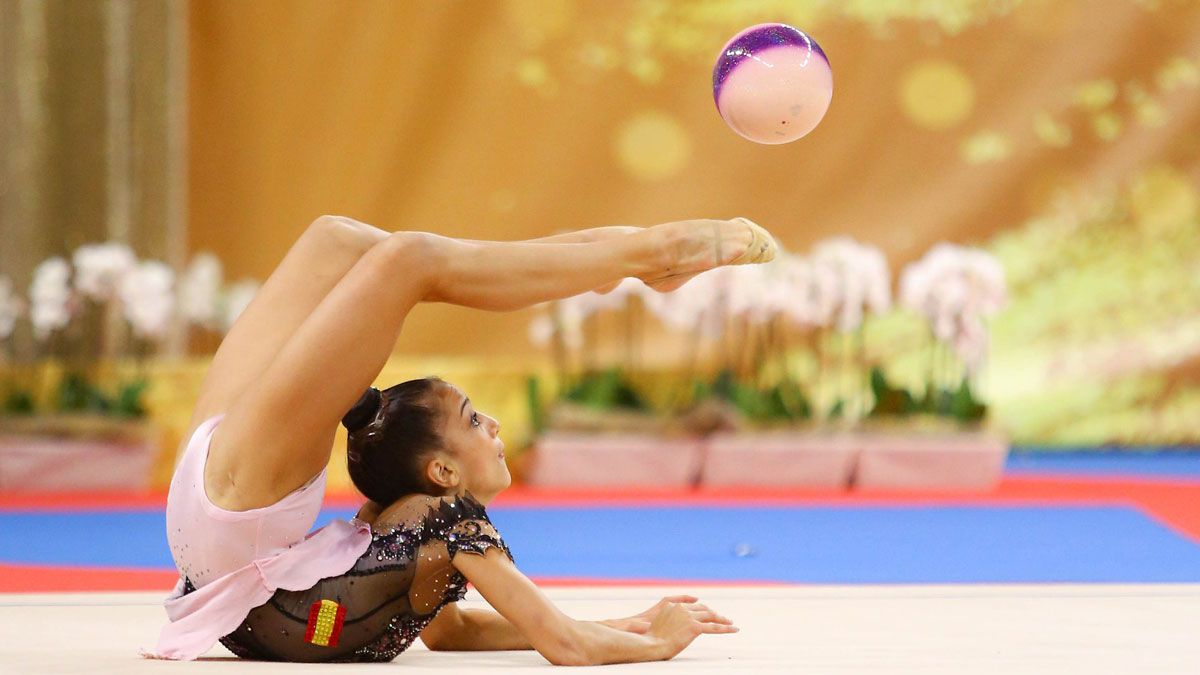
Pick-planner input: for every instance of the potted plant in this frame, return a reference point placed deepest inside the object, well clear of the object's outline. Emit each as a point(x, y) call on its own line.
point(795, 432)
point(75, 409)
point(938, 437)
point(599, 429)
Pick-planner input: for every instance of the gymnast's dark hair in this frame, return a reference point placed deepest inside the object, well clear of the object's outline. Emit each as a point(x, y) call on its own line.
point(391, 435)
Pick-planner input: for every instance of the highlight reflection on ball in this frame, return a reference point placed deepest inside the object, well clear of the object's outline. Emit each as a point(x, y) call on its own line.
point(772, 83)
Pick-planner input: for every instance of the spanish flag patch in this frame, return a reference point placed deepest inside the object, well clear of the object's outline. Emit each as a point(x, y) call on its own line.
point(325, 619)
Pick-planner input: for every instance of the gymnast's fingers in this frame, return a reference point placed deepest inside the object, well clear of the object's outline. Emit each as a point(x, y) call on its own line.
point(709, 616)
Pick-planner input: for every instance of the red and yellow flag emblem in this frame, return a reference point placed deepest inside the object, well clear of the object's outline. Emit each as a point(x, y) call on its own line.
point(325, 619)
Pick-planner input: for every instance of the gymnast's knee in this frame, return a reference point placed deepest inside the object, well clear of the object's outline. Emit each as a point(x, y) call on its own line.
point(415, 257)
point(333, 233)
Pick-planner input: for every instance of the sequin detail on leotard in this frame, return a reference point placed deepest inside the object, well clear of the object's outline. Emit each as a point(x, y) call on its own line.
point(394, 590)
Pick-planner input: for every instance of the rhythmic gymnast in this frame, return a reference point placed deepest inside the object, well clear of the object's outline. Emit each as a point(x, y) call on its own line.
point(252, 477)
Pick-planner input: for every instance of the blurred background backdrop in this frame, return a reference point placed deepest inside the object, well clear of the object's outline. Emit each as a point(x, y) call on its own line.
point(1059, 137)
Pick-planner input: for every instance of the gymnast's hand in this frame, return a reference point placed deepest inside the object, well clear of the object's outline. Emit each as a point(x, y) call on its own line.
point(676, 625)
point(640, 623)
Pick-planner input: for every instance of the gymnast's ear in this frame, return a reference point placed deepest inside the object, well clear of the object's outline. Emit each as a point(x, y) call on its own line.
point(442, 474)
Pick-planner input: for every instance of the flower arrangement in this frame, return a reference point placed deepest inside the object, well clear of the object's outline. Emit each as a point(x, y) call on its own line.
point(956, 289)
point(104, 304)
point(785, 342)
point(568, 328)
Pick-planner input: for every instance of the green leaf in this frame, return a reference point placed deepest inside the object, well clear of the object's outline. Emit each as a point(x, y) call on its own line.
point(964, 407)
point(605, 390)
point(937, 401)
point(783, 401)
point(76, 394)
point(774, 406)
point(128, 402)
point(18, 402)
point(537, 416)
point(890, 400)
point(796, 404)
point(837, 410)
point(879, 383)
point(725, 385)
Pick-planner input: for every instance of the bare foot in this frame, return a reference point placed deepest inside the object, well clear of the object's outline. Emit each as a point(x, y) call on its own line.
point(695, 246)
point(668, 284)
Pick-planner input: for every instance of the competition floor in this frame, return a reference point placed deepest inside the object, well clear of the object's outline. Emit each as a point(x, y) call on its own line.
point(1080, 563)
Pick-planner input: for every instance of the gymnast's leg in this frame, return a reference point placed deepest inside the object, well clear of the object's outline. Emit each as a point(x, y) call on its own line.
point(316, 262)
point(278, 434)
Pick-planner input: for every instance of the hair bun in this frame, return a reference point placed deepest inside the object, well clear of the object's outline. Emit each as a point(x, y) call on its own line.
point(364, 411)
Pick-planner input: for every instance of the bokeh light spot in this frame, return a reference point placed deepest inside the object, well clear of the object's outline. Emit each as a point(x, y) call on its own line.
point(986, 147)
point(1146, 109)
point(1106, 125)
point(598, 56)
point(646, 70)
point(532, 72)
point(652, 146)
point(1050, 131)
point(1096, 94)
point(1164, 200)
point(1178, 72)
point(537, 21)
point(936, 94)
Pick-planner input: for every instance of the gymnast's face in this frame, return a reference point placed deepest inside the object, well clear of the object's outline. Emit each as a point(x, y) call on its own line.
point(475, 461)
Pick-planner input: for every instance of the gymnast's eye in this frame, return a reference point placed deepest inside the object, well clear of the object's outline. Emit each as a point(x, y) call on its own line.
point(474, 419)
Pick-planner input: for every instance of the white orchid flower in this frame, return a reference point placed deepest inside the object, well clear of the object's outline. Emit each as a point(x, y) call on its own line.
point(148, 299)
point(50, 297)
point(856, 280)
point(200, 291)
point(99, 269)
point(955, 288)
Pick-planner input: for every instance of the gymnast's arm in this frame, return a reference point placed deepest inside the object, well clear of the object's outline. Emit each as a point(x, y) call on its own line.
point(456, 629)
point(563, 640)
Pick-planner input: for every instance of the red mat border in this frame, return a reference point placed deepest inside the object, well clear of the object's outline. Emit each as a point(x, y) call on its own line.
point(1025, 484)
point(64, 579)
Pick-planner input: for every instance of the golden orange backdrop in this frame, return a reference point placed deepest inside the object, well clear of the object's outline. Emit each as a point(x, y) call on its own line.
point(1063, 135)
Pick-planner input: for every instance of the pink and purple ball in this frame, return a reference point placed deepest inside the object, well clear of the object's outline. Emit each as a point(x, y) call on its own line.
point(772, 83)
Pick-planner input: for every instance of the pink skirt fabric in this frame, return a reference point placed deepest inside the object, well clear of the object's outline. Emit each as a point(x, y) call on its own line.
point(238, 559)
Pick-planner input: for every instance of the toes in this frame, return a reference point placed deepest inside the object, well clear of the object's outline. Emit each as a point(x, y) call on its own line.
point(762, 247)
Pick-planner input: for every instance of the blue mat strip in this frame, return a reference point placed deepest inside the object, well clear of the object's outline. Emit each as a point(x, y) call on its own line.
point(786, 544)
point(1157, 462)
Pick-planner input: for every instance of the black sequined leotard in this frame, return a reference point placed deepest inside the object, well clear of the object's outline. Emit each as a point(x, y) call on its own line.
point(376, 609)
